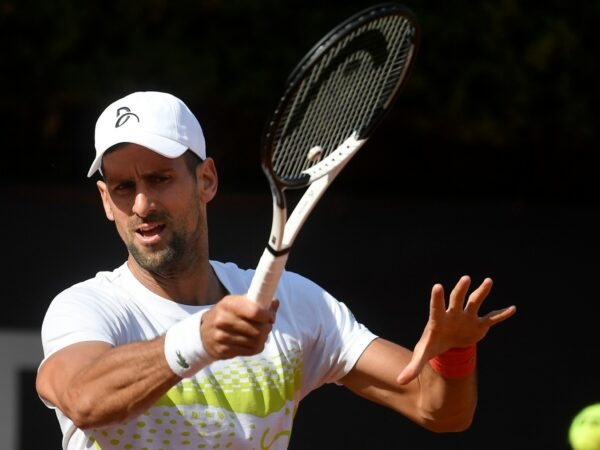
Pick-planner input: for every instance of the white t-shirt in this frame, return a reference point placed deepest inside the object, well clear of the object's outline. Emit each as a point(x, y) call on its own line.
point(239, 403)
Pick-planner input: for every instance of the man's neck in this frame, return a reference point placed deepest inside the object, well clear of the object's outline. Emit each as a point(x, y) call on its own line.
point(192, 286)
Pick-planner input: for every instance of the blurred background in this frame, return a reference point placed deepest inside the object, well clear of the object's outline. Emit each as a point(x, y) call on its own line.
point(486, 165)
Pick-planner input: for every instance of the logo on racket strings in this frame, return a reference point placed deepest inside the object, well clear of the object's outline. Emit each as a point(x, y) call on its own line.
point(370, 42)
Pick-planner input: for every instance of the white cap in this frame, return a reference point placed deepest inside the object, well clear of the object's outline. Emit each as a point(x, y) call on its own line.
point(156, 120)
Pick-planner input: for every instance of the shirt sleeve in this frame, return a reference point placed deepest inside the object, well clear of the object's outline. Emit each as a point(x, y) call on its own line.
point(333, 338)
point(80, 314)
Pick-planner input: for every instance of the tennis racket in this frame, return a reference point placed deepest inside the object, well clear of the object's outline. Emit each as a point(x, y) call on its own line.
point(333, 101)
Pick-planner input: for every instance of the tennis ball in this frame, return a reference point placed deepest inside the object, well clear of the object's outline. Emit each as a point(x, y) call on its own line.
point(584, 432)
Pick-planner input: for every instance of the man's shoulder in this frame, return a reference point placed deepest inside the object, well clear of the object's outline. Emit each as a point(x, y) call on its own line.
point(103, 283)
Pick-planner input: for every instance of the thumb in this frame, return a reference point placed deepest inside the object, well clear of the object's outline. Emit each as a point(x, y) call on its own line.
point(411, 371)
point(417, 362)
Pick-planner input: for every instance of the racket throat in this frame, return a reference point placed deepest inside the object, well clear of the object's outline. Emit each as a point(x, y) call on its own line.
point(276, 245)
point(278, 253)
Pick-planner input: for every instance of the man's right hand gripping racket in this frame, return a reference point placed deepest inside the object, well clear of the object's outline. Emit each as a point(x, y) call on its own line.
point(333, 101)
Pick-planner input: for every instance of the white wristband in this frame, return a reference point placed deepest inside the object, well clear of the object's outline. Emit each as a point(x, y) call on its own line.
point(184, 351)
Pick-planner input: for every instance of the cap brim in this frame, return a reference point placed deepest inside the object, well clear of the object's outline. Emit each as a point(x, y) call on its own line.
point(159, 144)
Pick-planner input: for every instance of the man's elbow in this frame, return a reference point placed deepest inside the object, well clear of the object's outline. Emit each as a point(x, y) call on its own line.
point(85, 411)
point(89, 411)
point(455, 423)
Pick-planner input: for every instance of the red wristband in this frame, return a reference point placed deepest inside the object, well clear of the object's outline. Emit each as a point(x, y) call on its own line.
point(455, 363)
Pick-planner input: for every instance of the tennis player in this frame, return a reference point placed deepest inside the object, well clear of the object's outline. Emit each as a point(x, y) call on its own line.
point(166, 352)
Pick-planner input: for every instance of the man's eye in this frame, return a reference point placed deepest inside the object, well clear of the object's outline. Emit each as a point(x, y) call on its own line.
point(121, 187)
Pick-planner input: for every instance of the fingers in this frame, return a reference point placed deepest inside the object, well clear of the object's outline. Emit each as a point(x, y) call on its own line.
point(495, 317)
point(437, 304)
point(456, 301)
point(237, 326)
point(457, 296)
point(478, 296)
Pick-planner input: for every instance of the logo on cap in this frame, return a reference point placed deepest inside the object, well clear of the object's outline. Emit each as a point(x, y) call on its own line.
point(123, 115)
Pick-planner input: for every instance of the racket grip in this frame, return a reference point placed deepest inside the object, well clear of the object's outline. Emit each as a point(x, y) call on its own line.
point(267, 275)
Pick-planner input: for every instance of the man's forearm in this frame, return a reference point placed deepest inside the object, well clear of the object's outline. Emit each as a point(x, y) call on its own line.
point(447, 404)
point(113, 386)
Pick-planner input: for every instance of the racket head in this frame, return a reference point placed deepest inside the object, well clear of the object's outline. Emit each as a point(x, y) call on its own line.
point(344, 86)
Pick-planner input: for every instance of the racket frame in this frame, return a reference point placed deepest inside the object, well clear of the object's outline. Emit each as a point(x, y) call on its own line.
point(318, 177)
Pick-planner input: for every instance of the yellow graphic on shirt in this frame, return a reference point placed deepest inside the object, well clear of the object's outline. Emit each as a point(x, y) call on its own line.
point(250, 386)
point(221, 407)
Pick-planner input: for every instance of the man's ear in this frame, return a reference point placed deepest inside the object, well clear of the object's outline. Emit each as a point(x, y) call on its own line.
point(101, 185)
point(207, 179)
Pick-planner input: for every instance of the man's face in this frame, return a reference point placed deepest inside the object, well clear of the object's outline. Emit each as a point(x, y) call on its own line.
point(157, 205)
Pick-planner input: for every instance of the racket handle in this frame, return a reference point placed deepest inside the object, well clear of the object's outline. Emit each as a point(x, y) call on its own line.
point(267, 275)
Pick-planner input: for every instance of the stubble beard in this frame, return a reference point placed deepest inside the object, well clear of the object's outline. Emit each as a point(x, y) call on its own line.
point(167, 262)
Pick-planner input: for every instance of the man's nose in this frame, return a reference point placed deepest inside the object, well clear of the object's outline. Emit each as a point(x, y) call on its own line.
point(143, 204)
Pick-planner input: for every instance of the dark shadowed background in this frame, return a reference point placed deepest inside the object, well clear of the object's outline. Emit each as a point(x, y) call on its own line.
point(486, 166)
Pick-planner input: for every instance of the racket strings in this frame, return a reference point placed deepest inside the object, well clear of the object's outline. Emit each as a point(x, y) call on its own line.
point(319, 132)
point(344, 91)
point(326, 107)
